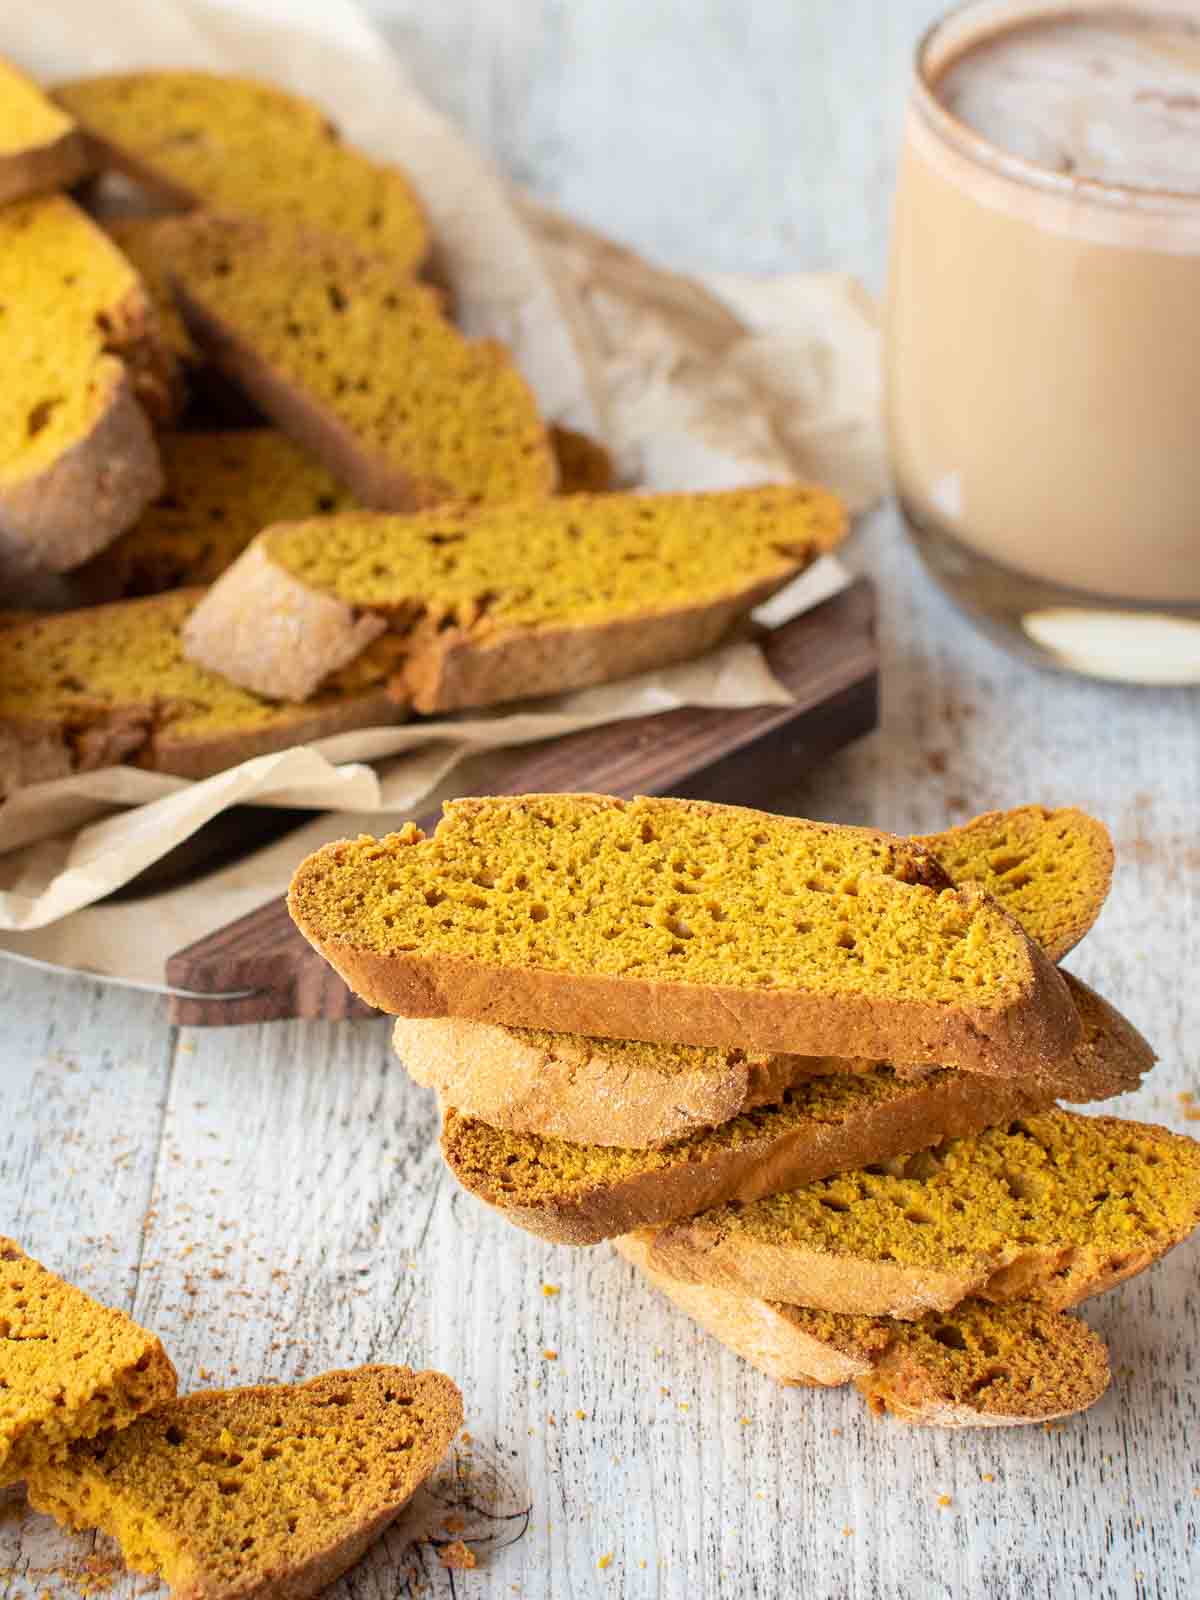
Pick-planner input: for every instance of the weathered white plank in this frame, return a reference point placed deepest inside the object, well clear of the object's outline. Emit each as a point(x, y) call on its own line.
point(299, 1163)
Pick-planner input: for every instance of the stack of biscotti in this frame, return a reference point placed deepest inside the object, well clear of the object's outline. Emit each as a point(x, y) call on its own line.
point(806, 1075)
point(223, 1493)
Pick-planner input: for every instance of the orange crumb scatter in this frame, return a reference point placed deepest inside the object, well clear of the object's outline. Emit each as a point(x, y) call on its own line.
point(945, 1500)
point(550, 1290)
point(550, 1355)
point(989, 1477)
point(581, 1416)
point(847, 1533)
point(465, 1437)
point(454, 1524)
point(745, 1421)
point(605, 1562)
point(456, 1556)
point(684, 1405)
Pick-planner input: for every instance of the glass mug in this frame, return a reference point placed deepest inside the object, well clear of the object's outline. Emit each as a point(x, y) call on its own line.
point(1043, 344)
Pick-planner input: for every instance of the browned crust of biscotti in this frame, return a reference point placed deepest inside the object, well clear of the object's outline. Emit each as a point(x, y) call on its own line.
point(942, 1106)
point(1110, 1056)
point(770, 1336)
point(571, 1087)
point(266, 630)
point(81, 501)
point(43, 167)
point(1026, 1038)
point(1056, 1276)
point(452, 671)
point(202, 756)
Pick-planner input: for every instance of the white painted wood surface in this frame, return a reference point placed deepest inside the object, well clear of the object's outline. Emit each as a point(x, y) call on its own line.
point(270, 1198)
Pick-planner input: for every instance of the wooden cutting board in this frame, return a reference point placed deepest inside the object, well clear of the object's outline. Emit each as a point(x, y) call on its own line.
point(260, 969)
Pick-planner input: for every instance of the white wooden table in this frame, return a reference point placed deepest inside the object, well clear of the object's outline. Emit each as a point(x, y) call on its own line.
point(271, 1200)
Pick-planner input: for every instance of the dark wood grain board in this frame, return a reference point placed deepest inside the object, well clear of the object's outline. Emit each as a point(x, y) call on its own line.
point(259, 968)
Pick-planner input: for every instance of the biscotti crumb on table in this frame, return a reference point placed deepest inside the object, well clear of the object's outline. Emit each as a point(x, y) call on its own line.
point(69, 1366)
point(689, 923)
point(108, 684)
point(505, 602)
point(78, 347)
point(221, 490)
point(579, 1194)
point(357, 363)
point(259, 1491)
point(40, 146)
point(235, 145)
point(975, 1365)
point(1052, 1207)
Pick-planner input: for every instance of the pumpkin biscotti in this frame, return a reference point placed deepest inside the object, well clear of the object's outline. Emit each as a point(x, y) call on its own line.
point(240, 1493)
point(1053, 1207)
point(507, 602)
point(87, 689)
point(238, 146)
point(41, 148)
point(687, 923)
point(69, 1366)
point(221, 490)
point(80, 351)
point(357, 363)
point(977, 1365)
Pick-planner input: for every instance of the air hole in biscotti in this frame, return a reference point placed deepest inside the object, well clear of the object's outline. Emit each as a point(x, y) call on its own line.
point(434, 897)
point(40, 414)
point(919, 1218)
point(950, 1336)
point(845, 939)
point(538, 912)
point(174, 1435)
point(831, 1204)
point(336, 298)
point(1000, 864)
point(229, 1486)
point(1020, 1186)
point(648, 834)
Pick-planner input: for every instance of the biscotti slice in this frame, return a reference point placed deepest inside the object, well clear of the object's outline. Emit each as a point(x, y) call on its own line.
point(235, 145)
point(506, 602)
point(87, 689)
point(688, 923)
point(221, 490)
point(40, 146)
point(1050, 869)
point(1052, 1207)
point(69, 1366)
point(134, 237)
point(977, 1366)
point(584, 465)
point(580, 1193)
point(261, 1491)
point(641, 1096)
point(636, 1095)
point(357, 364)
point(78, 462)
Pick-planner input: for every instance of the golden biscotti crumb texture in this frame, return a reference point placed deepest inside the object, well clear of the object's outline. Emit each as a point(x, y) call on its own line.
point(235, 145)
point(358, 363)
point(1050, 869)
point(689, 923)
point(69, 1366)
point(250, 1491)
point(1053, 1206)
point(221, 490)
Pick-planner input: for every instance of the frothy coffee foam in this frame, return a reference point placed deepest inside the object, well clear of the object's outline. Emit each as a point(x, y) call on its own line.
point(1107, 98)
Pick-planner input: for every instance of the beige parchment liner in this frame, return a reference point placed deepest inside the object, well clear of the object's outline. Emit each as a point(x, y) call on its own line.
point(692, 383)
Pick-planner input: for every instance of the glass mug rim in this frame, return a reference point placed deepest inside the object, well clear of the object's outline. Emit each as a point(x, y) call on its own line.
point(974, 21)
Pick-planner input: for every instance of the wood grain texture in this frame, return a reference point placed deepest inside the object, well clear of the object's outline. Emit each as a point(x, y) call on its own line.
point(261, 969)
point(749, 137)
